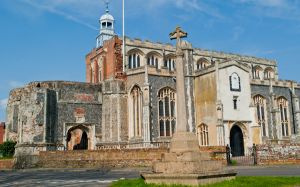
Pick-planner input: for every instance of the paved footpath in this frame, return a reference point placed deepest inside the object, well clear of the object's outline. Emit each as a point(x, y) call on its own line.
point(68, 177)
point(284, 171)
point(104, 177)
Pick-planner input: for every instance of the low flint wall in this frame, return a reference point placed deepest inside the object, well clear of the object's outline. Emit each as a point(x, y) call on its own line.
point(278, 154)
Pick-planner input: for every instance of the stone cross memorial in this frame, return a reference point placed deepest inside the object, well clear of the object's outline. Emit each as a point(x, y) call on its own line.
point(184, 163)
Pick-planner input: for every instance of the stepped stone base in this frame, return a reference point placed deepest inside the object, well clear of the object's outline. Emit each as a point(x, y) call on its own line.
point(186, 165)
point(189, 179)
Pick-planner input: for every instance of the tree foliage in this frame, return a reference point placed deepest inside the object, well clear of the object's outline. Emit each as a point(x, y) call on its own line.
point(8, 149)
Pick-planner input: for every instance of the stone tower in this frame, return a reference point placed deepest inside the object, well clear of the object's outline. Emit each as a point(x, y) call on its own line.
point(106, 27)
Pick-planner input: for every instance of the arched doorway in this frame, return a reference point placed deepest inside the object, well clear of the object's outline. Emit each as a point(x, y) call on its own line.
point(77, 138)
point(83, 143)
point(237, 141)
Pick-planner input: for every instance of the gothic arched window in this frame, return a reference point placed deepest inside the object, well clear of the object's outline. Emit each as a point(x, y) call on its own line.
point(202, 63)
point(166, 112)
point(94, 71)
point(170, 64)
point(152, 60)
point(269, 73)
point(235, 82)
point(284, 120)
point(202, 133)
point(135, 111)
point(257, 71)
point(134, 61)
point(260, 104)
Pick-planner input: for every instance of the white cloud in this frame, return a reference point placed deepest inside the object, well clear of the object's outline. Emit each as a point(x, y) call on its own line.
point(3, 103)
point(184, 5)
point(267, 3)
point(84, 12)
point(282, 9)
point(54, 7)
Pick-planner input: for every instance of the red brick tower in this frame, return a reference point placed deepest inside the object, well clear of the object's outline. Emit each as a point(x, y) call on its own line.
point(2, 132)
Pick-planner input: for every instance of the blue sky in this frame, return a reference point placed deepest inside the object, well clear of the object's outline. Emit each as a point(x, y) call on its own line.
point(48, 39)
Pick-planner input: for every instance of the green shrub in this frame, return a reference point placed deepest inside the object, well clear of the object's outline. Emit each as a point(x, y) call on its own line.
point(7, 149)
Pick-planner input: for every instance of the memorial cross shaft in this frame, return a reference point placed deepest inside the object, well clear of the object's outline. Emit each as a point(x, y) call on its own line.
point(180, 83)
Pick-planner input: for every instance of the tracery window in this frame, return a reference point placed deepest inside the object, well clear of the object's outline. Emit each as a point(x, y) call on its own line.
point(202, 133)
point(136, 112)
point(170, 64)
point(166, 112)
point(284, 121)
point(134, 61)
point(260, 104)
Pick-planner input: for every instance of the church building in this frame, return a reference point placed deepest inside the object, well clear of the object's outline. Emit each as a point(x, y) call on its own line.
point(232, 99)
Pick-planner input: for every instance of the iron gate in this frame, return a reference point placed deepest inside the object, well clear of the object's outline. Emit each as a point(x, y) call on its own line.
point(237, 158)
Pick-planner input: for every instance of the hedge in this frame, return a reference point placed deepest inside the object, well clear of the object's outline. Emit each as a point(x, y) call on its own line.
point(7, 149)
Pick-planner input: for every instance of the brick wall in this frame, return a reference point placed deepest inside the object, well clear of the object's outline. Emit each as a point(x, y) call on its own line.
point(6, 164)
point(215, 152)
point(2, 132)
point(109, 57)
point(99, 158)
point(278, 154)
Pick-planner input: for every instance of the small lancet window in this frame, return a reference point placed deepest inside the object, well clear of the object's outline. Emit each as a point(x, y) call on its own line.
point(235, 102)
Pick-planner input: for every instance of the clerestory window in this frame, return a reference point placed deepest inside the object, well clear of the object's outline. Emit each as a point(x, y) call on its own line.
point(170, 64)
point(134, 61)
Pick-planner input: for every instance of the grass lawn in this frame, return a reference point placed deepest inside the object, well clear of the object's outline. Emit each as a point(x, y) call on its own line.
point(239, 182)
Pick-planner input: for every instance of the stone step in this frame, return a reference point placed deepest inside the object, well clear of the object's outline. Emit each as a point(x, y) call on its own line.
point(188, 167)
point(187, 156)
point(189, 179)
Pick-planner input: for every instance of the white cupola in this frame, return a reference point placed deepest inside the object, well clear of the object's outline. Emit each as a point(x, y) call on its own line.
point(106, 27)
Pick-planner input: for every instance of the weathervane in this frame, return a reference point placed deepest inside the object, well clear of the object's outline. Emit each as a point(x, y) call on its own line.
point(107, 3)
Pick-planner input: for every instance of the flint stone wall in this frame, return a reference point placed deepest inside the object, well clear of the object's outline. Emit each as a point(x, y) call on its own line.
point(278, 154)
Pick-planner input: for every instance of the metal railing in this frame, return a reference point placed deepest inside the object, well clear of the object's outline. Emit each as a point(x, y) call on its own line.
point(249, 156)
